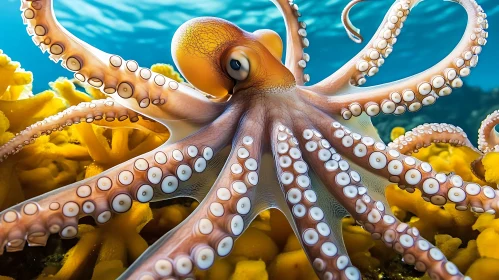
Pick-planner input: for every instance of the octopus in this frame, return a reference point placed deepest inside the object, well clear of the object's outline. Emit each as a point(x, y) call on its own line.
point(247, 135)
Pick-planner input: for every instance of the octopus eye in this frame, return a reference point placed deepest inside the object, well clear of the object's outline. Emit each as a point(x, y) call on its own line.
point(238, 66)
point(235, 64)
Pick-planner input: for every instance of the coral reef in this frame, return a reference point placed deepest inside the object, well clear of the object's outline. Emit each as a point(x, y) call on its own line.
point(71, 154)
point(242, 100)
point(465, 238)
point(267, 250)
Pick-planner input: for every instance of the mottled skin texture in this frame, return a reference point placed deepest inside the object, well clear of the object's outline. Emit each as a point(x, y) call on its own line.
point(247, 134)
point(202, 47)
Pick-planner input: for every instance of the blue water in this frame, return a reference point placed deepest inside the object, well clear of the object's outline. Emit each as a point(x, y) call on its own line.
point(142, 30)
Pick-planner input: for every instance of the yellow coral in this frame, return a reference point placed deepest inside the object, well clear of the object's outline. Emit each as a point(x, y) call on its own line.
point(67, 90)
point(53, 155)
point(449, 159)
point(110, 246)
point(250, 270)
point(255, 245)
point(484, 269)
point(167, 70)
point(465, 257)
point(358, 242)
point(268, 249)
point(479, 257)
point(490, 163)
point(61, 158)
point(396, 132)
point(14, 81)
point(292, 265)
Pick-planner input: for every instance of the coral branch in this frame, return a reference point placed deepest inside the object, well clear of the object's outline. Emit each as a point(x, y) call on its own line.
point(315, 235)
point(155, 95)
point(419, 90)
point(345, 184)
point(156, 173)
point(222, 216)
point(426, 134)
point(488, 138)
point(296, 33)
point(84, 112)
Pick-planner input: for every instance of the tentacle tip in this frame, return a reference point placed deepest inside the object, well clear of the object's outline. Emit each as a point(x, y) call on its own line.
point(357, 38)
point(352, 31)
point(416, 2)
point(478, 169)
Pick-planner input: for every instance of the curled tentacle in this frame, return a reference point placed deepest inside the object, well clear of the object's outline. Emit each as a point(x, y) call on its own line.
point(222, 216)
point(345, 184)
point(408, 172)
point(89, 112)
point(426, 134)
point(368, 61)
point(412, 93)
point(296, 33)
point(154, 174)
point(488, 138)
point(352, 31)
point(153, 94)
point(315, 235)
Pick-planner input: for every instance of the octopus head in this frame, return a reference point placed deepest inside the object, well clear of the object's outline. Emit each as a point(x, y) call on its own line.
point(219, 58)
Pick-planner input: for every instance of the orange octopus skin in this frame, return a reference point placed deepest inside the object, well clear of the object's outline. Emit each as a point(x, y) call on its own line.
point(248, 135)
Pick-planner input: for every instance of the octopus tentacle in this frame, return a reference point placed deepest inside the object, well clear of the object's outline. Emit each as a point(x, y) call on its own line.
point(352, 31)
point(422, 89)
point(345, 184)
point(89, 112)
point(153, 94)
point(408, 172)
point(151, 175)
point(426, 134)
point(368, 61)
point(222, 216)
point(488, 138)
point(315, 235)
point(296, 33)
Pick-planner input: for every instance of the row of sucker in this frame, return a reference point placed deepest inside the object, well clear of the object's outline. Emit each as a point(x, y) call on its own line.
point(488, 138)
point(159, 171)
point(429, 89)
point(371, 59)
point(372, 215)
point(109, 73)
point(315, 234)
point(410, 173)
point(218, 223)
point(86, 112)
point(302, 33)
point(426, 134)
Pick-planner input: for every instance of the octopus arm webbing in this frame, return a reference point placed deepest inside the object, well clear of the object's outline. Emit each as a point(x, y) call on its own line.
point(419, 90)
point(314, 233)
point(221, 217)
point(345, 184)
point(368, 61)
point(296, 37)
point(426, 134)
point(150, 176)
point(105, 109)
point(408, 172)
point(488, 139)
point(155, 95)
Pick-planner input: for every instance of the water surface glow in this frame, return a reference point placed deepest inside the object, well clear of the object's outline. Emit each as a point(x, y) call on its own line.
point(142, 30)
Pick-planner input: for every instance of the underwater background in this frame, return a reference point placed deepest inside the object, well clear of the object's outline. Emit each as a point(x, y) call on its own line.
point(142, 30)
